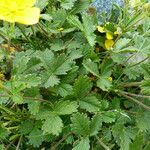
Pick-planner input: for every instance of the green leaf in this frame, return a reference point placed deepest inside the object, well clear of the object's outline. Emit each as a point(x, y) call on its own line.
point(96, 124)
point(91, 67)
point(104, 83)
point(30, 80)
point(17, 98)
point(80, 124)
point(2, 147)
point(89, 28)
point(109, 117)
point(57, 45)
point(3, 133)
point(80, 6)
point(137, 144)
point(26, 127)
point(65, 107)
point(54, 66)
point(145, 86)
point(142, 121)
point(123, 135)
point(121, 43)
point(82, 87)
point(36, 137)
point(146, 25)
point(42, 4)
point(20, 63)
point(34, 107)
point(50, 81)
point(53, 125)
point(74, 20)
point(90, 103)
point(84, 144)
point(64, 89)
point(132, 73)
point(67, 4)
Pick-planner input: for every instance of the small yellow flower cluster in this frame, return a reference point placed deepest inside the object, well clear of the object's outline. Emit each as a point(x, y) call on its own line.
point(2, 76)
point(110, 79)
point(109, 41)
point(60, 29)
point(9, 49)
point(21, 11)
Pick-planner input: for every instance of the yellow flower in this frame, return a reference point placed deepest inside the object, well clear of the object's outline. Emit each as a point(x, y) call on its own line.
point(110, 79)
point(101, 29)
point(116, 33)
point(60, 29)
point(109, 44)
point(1, 76)
point(21, 11)
point(10, 49)
point(109, 36)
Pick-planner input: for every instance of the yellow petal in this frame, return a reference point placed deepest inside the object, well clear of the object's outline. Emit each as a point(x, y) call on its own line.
point(101, 29)
point(116, 33)
point(6, 15)
point(109, 36)
point(2, 3)
point(29, 16)
point(19, 4)
point(110, 79)
point(109, 44)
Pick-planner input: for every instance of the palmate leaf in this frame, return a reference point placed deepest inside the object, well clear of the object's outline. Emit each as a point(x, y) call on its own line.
point(90, 103)
point(3, 133)
point(137, 144)
point(143, 121)
point(104, 83)
point(2, 147)
point(54, 66)
point(67, 4)
point(53, 125)
point(133, 73)
point(123, 135)
point(20, 63)
point(64, 89)
point(74, 20)
point(84, 144)
point(26, 127)
point(91, 67)
point(36, 137)
point(80, 124)
point(145, 86)
point(96, 124)
point(33, 107)
point(65, 107)
point(80, 6)
point(89, 29)
point(82, 87)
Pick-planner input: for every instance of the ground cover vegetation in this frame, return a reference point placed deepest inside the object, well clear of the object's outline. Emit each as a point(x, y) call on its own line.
point(68, 81)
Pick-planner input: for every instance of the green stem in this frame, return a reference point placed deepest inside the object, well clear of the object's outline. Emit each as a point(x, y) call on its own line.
point(102, 144)
point(7, 110)
point(26, 37)
point(135, 95)
point(134, 100)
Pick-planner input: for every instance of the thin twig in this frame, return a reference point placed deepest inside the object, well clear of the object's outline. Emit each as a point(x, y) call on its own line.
point(102, 143)
point(130, 84)
point(31, 98)
point(135, 100)
point(17, 148)
point(139, 62)
point(60, 141)
point(136, 95)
